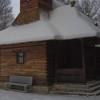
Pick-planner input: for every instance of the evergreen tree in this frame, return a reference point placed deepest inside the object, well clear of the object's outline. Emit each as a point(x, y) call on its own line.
point(6, 17)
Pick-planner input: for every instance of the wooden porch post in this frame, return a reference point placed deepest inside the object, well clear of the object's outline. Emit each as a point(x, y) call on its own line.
point(55, 65)
point(83, 61)
point(0, 60)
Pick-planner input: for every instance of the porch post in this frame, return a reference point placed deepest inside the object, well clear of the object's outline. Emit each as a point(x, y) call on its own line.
point(83, 61)
point(55, 64)
point(0, 60)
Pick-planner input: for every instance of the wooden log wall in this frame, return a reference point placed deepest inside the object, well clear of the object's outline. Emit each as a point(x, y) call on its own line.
point(26, 17)
point(35, 63)
point(45, 4)
point(28, 4)
point(29, 12)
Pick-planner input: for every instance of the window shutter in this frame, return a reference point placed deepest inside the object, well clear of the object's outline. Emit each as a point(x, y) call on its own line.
point(45, 4)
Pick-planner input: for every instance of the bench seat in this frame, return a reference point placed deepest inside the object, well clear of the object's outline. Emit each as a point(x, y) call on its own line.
point(17, 82)
point(20, 84)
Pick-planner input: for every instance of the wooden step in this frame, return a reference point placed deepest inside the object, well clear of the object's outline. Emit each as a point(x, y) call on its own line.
point(89, 85)
point(78, 89)
point(76, 93)
point(93, 84)
point(91, 88)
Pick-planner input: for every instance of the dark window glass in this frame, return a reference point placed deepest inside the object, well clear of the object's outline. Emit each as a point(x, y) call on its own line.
point(20, 58)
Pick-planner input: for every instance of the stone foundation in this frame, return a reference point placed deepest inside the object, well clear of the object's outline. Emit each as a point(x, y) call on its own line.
point(40, 89)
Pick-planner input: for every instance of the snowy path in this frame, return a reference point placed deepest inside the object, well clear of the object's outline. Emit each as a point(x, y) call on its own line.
point(10, 95)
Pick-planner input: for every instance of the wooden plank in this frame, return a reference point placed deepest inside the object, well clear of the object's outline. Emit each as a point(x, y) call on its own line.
point(45, 4)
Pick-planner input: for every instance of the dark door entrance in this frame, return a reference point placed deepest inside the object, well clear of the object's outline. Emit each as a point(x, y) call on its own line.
point(68, 57)
point(90, 62)
point(98, 62)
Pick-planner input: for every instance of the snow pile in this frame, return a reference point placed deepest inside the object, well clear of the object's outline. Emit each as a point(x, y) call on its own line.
point(65, 23)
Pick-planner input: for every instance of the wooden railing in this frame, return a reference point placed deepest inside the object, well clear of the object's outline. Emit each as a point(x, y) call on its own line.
point(69, 75)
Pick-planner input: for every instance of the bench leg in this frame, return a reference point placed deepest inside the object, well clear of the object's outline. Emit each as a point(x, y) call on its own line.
point(25, 88)
point(6, 86)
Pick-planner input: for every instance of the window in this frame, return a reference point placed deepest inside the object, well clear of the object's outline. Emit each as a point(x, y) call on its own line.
point(20, 57)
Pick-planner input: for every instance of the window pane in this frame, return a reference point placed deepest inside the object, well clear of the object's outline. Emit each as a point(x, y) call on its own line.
point(20, 58)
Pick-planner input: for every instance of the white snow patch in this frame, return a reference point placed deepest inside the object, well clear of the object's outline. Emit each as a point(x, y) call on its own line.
point(10, 95)
point(70, 23)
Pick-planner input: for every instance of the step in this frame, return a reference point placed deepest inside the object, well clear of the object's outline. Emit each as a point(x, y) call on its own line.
point(74, 86)
point(86, 89)
point(76, 93)
point(93, 84)
point(68, 85)
point(90, 88)
point(90, 82)
point(94, 88)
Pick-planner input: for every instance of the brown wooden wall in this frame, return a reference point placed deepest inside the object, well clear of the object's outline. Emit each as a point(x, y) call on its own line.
point(29, 12)
point(35, 64)
point(45, 4)
point(26, 5)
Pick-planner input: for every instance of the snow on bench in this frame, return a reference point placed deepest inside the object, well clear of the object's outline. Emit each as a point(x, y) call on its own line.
point(19, 83)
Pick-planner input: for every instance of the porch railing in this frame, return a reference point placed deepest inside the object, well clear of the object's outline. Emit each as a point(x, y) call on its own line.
point(65, 75)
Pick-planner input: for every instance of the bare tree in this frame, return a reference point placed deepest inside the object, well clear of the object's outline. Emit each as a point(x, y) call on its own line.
point(91, 8)
point(6, 16)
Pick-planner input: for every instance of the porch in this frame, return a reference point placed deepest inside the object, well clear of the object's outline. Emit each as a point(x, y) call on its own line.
point(76, 60)
point(89, 88)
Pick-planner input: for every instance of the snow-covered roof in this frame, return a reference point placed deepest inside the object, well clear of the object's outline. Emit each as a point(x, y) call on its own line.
point(71, 24)
point(35, 31)
point(65, 23)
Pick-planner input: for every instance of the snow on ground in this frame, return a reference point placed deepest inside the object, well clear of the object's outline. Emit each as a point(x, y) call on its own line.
point(10, 95)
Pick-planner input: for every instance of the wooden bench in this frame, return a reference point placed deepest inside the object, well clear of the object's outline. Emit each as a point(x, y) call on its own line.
point(19, 83)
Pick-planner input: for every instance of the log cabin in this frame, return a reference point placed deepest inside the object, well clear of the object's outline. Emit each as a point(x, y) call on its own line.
point(61, 49)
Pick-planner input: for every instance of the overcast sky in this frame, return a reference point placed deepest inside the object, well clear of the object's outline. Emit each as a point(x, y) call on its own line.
point(16, 6)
